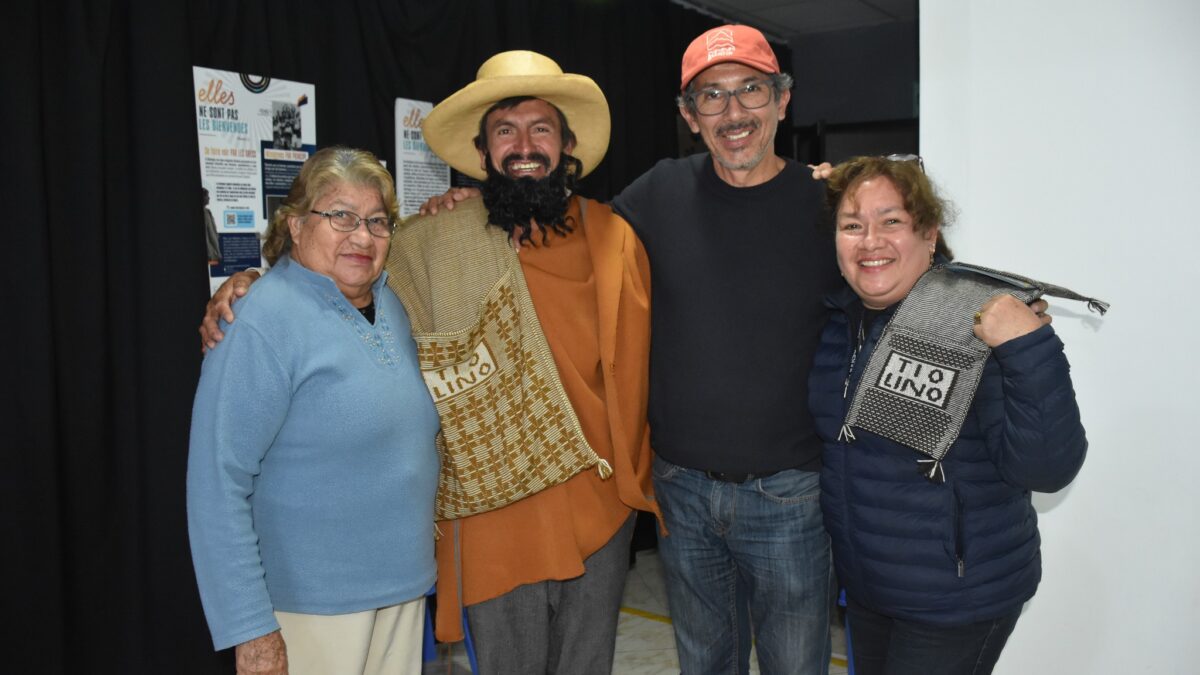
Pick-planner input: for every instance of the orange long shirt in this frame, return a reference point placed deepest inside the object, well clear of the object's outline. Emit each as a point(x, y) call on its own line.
point(549, 534)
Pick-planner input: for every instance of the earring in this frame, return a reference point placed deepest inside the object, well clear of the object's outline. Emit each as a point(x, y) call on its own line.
point(931, 257)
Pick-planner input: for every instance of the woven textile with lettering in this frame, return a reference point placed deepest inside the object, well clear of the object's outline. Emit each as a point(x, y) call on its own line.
point(508, 429)
point(921, 378)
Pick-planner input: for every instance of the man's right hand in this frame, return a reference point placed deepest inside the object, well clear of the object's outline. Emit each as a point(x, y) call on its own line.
point(821, 171)
point(266, 655)
point(220, 306)
point(447, 200)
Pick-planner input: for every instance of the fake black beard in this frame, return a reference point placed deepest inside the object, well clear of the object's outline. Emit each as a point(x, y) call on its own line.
point(513, 202)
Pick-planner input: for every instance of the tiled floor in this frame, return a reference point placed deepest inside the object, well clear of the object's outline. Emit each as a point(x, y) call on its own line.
point(645, 643)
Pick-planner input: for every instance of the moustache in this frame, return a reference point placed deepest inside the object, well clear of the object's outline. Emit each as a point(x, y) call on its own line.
point(734, 127)
point(513, 158)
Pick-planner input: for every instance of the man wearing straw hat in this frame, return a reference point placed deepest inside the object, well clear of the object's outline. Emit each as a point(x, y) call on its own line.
point(541, 575)
point(740, 269)
point(530, 310)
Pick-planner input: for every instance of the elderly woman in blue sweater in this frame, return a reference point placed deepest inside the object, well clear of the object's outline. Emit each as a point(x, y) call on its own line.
point(312, 468)
point(937, 554)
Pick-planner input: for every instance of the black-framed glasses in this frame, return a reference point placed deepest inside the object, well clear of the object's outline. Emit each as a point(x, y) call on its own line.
point(907, 158)
point(750, 95)
point(347, 221)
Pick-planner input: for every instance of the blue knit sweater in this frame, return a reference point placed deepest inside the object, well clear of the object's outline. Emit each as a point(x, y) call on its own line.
point(967, 550)
point(312, 468)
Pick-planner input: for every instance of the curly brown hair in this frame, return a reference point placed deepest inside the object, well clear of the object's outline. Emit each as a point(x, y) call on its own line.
point(321, 172)
point(921, 198)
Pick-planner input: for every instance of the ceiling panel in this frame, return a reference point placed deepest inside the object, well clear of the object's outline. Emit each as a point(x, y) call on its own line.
point(752, 5)
point(782, 19)
point(814, 17)
point(900, 9)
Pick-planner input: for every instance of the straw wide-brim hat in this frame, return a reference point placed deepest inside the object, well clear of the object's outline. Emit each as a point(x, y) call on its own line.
point(452, 125)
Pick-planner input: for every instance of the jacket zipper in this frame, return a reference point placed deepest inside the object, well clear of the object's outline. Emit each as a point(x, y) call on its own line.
point(846, 487)
point(958, 534)
point(856, 345)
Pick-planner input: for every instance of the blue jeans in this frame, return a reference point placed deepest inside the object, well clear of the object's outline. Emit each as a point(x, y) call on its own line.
point(742, 555)
point(886, 646)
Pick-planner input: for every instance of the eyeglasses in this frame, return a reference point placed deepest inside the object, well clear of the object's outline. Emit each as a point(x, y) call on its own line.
point(346, 221)
point(716, 101)
point(908, 158)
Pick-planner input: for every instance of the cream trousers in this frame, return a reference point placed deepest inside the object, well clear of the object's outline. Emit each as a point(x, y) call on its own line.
point(374, 642)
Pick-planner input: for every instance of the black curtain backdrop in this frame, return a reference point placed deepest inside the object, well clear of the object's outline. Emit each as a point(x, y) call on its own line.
point(106, 258)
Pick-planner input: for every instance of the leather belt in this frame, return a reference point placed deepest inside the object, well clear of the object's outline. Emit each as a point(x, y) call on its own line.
point(730, 477)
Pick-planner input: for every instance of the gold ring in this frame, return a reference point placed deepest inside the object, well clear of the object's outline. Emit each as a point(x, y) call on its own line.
point(978, 318)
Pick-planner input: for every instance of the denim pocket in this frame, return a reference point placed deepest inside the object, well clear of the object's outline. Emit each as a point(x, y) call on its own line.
point(791, 487)
point(664, 470)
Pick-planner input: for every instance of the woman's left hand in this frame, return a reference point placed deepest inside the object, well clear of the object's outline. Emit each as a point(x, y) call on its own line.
point(1004, 317)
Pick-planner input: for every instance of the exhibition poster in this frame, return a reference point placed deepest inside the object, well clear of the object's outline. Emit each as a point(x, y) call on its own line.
point(420, 174)
point(254, 133)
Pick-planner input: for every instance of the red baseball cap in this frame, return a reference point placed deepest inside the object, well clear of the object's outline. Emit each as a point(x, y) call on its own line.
point(739, 44)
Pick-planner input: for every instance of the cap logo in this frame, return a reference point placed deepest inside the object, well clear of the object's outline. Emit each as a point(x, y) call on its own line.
point(719, 43)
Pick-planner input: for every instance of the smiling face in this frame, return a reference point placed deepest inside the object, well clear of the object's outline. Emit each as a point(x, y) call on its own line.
point(739, 138)
point(524, 141)
point(880, 253)
point(353, 259)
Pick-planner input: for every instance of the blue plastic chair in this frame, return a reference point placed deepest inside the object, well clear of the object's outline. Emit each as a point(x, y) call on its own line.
point(849, 644)
point(470, 644)
point(429, 647)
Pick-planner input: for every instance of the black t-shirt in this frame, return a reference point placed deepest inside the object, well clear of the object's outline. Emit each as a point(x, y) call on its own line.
point(738, 281)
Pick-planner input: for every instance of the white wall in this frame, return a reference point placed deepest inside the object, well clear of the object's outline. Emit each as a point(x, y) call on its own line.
point(1067, 134)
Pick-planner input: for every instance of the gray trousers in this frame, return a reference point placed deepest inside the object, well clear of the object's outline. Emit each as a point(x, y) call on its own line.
point(567, 627)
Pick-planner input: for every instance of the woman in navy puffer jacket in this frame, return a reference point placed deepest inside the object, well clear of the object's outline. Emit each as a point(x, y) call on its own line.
point(935, 573)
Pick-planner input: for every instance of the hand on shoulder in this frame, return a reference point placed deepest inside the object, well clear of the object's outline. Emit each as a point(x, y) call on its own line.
point(447, 200)
point(220, 306)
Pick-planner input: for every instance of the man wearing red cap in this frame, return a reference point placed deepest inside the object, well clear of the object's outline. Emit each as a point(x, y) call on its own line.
point(739, 268)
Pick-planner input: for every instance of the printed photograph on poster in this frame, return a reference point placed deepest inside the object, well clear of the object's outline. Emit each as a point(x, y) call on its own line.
point(420, 174)
point(285, 125)
point(254, 134)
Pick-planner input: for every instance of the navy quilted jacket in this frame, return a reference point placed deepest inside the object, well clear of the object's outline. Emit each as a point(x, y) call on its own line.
point(966, 550)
